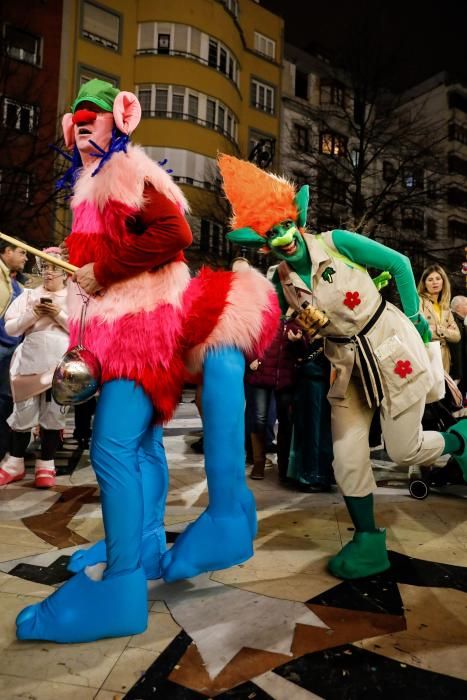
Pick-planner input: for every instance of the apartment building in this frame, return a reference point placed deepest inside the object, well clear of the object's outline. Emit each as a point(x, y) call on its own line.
point(208, 76)
point(414, 178)
point(29, 60)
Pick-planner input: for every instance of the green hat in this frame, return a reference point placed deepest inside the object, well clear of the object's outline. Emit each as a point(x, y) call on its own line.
point(99, 92)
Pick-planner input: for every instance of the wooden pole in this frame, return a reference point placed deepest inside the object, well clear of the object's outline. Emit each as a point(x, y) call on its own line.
point(30, 249)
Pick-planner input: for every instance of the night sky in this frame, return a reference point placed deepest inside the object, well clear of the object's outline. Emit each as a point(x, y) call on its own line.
point(417, 39)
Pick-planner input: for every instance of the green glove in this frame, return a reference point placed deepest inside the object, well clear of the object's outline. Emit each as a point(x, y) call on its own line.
point(421, 324)
point(382, 280)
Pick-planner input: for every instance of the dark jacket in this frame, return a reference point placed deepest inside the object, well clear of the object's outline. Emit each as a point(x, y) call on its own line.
point(277, 366)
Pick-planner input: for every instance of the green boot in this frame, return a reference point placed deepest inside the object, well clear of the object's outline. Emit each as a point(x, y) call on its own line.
point(459, 429)
point(364, 556)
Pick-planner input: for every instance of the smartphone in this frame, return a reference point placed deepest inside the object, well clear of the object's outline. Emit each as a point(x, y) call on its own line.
point(46, 300)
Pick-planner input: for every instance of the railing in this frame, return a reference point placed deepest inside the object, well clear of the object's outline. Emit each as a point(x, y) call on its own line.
point(163, 114)
point(263, 107)
point(186, 54)
point(107, 43)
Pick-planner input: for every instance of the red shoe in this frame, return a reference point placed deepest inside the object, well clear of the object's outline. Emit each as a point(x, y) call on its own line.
point(44, 474)
point(7, 478)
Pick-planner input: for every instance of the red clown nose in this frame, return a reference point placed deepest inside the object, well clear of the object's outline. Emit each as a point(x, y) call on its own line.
point(83, 115)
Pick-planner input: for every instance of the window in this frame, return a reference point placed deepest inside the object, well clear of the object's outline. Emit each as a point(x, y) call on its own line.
point(412, 178)
point(204, 238)
point(211, 113)
point(261, 149)
point(265, 46)
point(212, 53)
point(332, 189)
point(389, 171)
point(87, 74)
point(331, 93)
point(178, 98)
point(16, 185)
point(431, 227)
point(223, 61)
point(262, 96)
point(301, 138)
point(457, 100)
point(193, 107)
point(332, 144)
point(457, 165)
point(161, 102)
point(220, 118)
point(457, 133)
point(100, 25)
point(163, 43)
point(301, 84)
point(144, 97)
point(457, 229)
point(412, 218)
point(457, 197)
point(179, 102)
point(232, 6)
point(19, 116)
point(22, 45)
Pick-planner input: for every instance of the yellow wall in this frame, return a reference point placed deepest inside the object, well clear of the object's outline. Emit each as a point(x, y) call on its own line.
point(212, 18)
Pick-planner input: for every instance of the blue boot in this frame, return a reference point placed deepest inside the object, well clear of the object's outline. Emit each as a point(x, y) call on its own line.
point(223, 535)
point(83, 610)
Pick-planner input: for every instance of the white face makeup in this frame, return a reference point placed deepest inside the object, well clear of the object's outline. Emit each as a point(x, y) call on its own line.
point(89, 128)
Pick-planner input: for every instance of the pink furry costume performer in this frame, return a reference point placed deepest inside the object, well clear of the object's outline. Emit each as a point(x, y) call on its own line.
point(148, 322)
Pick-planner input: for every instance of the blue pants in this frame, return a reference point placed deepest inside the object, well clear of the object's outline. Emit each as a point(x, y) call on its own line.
point(128, 456)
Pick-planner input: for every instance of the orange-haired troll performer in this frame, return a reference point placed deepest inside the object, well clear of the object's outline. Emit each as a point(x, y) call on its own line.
point(148, 322)
point(377, 352)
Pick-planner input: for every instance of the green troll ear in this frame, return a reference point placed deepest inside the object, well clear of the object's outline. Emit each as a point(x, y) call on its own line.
point(246, 237)
point(301, 202)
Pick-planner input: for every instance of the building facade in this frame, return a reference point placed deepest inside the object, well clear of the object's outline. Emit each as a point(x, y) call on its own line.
point(403, 157)
point(207, 74)
point(29, 60)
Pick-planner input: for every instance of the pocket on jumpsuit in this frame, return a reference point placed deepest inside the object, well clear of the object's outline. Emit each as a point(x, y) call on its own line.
point(405, 379)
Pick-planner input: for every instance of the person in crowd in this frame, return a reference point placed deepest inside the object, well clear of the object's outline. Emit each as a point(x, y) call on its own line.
point(310, 463)
point(273, 374)
point(459, 350)
point(434, 290)
point(12, 262)
point(40, 315)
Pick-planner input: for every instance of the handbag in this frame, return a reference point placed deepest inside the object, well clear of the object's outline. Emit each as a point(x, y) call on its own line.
point(438, 388)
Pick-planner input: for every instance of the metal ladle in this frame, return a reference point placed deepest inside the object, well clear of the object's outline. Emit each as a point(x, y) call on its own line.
point(77, 378)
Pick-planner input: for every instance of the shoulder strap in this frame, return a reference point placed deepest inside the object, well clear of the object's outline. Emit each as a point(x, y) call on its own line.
point(334, 253)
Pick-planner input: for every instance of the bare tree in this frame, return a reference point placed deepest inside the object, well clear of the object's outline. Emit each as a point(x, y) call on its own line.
point(29, 167)
point(375, 158)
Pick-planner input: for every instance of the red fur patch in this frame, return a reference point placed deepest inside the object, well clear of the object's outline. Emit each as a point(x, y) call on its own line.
point(203, 303)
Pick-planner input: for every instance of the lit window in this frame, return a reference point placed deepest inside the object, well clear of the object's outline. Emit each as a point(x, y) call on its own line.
point(262, 96)
point(332, 144)
point(100, 26)
point(265, 46)
point(21, 45)
point(412, 177)
point(19, 116)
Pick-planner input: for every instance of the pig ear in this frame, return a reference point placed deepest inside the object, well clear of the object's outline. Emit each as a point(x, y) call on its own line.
point(68, 131)
point(127, 112)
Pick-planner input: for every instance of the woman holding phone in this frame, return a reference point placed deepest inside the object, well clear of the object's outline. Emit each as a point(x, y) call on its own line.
point(40, 315)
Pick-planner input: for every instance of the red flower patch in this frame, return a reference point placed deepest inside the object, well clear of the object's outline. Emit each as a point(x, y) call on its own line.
point(403, 368)
point(352, 299)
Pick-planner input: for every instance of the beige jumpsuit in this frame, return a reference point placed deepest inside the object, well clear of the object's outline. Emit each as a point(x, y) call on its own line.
point(386, 365)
